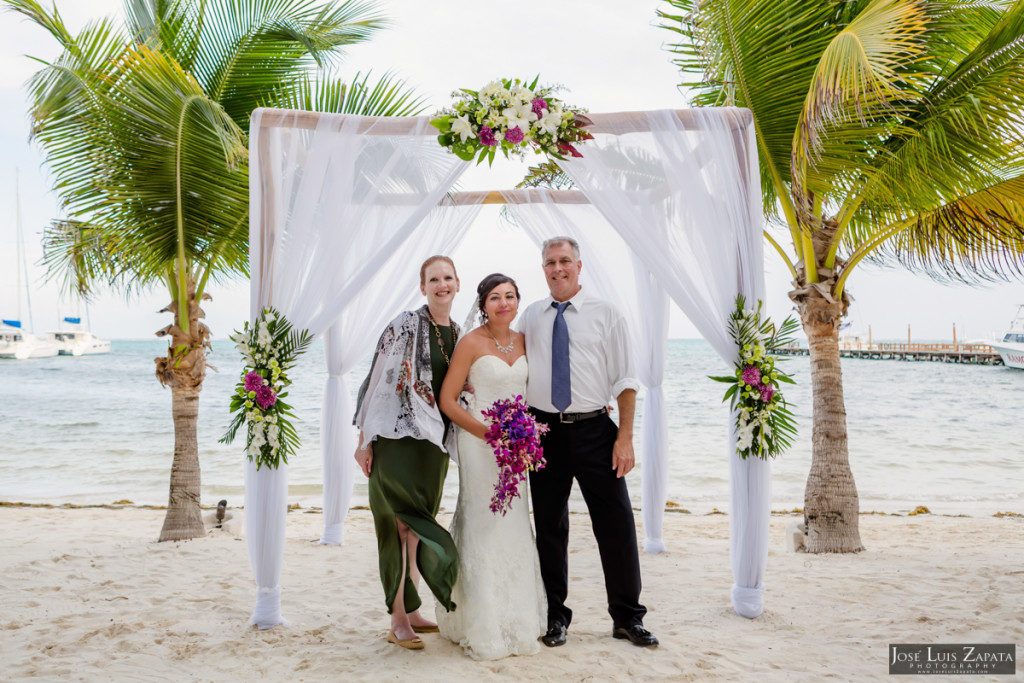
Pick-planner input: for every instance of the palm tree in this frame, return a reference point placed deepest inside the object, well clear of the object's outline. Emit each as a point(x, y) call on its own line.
point(145, 131)
point(888, 131)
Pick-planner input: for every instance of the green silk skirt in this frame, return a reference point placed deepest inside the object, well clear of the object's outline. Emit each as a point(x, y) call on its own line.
point(406, 480)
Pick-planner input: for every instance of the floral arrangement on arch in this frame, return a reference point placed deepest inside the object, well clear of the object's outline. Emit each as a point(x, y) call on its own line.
point(764, 424)
point(514, 434)
point(270, 348)
point(510, 116)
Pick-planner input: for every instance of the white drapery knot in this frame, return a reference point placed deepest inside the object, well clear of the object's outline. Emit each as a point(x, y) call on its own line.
point(334, 534)
point(748, 602)
point(267, 613)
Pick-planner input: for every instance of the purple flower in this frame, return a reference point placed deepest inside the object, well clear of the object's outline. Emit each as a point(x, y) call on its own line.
point(253, 381)
point(767, 391)
point(486, 137)
point(265, 396)
point(539, 104)
point(514, 135)
point(751, 376)
point(514, 436)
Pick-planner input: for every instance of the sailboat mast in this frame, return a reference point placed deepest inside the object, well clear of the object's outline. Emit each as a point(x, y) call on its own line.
point(24, 256)
point(17, 228)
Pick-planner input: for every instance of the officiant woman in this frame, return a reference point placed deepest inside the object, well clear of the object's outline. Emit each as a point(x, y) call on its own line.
point(403, 449)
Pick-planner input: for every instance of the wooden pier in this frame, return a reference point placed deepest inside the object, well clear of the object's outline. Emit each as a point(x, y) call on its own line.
point(974, 354)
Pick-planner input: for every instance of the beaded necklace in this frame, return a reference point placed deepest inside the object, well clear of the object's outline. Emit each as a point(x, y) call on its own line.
point(440, 341)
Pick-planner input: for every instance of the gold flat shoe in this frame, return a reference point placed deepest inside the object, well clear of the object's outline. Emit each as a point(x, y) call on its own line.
point(411, 644)
point(426, 629)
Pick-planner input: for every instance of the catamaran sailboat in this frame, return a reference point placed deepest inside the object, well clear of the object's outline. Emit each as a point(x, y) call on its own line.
point(15, 343)
point(77, 341)
point(1011, 348)
point(18, 345)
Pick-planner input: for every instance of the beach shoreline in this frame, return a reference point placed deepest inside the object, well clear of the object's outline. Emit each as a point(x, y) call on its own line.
point(89, 594)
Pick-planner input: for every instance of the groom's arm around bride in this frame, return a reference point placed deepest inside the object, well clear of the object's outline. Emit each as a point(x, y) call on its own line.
point(579, 354)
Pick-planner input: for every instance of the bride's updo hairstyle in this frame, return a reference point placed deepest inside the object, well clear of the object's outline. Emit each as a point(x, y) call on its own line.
point(486, 286)
point(434, 259)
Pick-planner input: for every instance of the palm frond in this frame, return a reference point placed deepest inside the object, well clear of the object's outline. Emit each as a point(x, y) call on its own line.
point(864, 77)
point(80, 255)
point(248, 49)
point(387, 96)
point(169, 26)
point(759, 54)
point(966, 132)
point(978, 237)
point(547, 175)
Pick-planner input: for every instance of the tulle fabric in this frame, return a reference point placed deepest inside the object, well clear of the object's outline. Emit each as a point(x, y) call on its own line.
point(334, 200)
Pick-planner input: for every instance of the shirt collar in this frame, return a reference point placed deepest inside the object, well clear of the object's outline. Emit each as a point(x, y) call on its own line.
point(577, 301)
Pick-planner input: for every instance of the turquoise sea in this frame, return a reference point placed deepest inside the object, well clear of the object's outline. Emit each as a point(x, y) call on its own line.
point(98, 429)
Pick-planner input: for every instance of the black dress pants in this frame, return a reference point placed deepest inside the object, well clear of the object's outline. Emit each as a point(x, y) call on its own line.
point(583, 451)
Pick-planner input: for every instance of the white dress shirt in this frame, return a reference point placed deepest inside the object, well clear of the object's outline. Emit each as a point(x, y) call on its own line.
point(600, 361)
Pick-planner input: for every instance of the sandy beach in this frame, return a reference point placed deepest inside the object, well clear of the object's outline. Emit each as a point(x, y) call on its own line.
point(88, 594)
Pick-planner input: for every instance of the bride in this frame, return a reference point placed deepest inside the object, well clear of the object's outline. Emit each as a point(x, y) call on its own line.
point(502, 606)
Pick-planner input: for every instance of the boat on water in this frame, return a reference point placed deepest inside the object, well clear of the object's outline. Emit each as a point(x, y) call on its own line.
point(16, 344)
point(1011, 348)
point(77, 341)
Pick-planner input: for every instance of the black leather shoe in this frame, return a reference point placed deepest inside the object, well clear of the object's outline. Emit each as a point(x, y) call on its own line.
point(555, 635)
point(635, 634)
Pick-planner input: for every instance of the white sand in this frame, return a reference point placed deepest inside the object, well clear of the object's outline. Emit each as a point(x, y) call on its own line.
point(89, 595)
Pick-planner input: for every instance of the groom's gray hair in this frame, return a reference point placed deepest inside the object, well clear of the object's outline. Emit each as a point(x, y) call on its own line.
point(561, 239)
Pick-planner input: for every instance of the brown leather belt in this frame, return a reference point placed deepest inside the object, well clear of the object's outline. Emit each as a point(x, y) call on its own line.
point(568, 418)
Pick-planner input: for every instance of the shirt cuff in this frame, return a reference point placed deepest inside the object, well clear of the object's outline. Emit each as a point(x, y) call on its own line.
point(623, 384)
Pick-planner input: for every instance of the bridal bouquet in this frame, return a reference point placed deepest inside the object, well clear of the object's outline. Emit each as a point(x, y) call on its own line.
point(269, 348)
point(515, 436)
point(509, 116)
point(764, 424)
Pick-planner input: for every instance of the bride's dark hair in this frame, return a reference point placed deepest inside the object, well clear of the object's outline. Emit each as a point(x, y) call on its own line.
point(487, 285)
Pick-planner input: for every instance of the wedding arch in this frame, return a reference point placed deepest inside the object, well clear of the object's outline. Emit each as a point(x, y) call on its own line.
point(342, 207)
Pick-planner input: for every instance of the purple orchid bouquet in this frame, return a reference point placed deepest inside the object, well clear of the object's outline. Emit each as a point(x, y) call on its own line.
point(514, 435)
point(765, 427)
point(270, 348)
point(510, 116)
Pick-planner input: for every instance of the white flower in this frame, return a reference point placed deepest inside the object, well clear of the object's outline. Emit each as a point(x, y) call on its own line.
point(550, 123)
point(520, 116)
point(263, 336)
point(522, 93)
point(744, 437)
point(463, 128)
point(492, 90)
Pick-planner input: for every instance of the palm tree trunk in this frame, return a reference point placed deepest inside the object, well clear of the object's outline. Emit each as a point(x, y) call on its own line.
point(831, 504)
point(183, 369)
point(183, 519)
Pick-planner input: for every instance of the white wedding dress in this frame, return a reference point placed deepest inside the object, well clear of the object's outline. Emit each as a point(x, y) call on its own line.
point(501, 608)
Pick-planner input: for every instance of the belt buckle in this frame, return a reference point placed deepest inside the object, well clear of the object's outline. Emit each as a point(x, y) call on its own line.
point(561, 418)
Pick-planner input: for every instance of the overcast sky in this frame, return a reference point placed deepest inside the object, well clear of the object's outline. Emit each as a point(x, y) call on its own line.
point(607, 53)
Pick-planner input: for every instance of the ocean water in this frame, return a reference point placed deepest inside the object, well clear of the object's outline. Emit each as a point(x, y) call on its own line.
point(95, 430)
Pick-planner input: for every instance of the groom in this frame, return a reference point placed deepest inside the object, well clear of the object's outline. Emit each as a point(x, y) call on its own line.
point(579, 359)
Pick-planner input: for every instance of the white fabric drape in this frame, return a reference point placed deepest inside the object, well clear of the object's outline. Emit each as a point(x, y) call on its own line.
point(332, 198)
point(686, 197)
point(353, 335)
point(627, 283)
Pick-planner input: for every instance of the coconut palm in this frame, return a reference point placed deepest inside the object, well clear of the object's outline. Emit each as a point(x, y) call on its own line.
point(145, 130)
point(888, 131)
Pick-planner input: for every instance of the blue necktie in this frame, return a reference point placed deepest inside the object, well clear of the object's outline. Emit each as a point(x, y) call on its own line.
point(561, 387)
